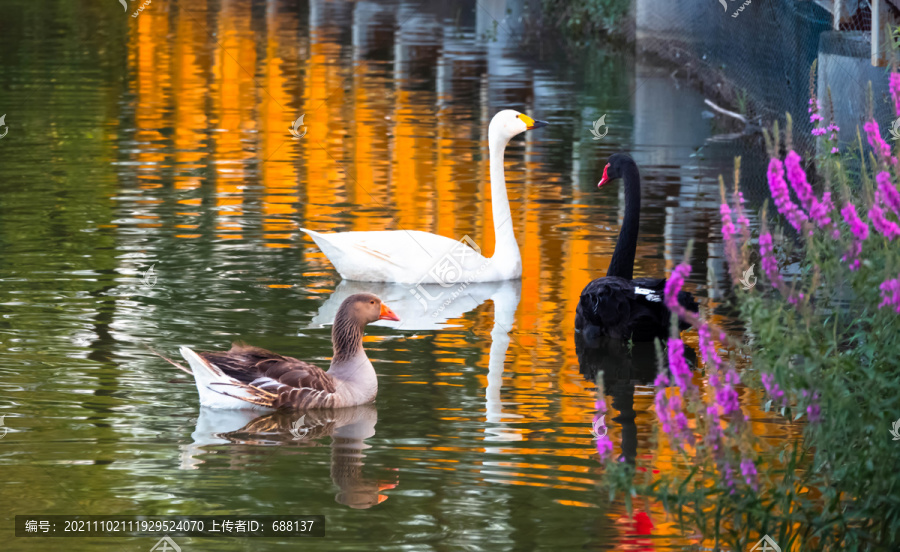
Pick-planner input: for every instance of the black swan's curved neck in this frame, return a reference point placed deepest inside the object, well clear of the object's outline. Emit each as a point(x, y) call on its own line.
point(622, 264)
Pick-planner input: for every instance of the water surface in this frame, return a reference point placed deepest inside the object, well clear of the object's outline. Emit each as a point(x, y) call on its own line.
point(162, 142)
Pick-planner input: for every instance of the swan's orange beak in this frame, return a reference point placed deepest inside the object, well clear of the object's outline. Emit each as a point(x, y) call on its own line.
point(388, 314)
point(605, 178)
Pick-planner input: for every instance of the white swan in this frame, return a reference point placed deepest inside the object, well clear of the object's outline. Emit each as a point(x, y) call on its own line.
point(414, 257)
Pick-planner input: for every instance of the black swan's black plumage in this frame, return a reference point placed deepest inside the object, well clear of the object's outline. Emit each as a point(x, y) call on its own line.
point(617, 305)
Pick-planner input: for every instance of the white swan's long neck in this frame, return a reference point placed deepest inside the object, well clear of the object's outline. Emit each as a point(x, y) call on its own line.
point(506, 249)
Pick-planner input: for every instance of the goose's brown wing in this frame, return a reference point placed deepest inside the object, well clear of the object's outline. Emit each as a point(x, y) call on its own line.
point(273, 380)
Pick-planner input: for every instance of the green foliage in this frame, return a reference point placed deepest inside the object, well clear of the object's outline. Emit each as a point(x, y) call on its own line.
point(827, 340)
point(586, 17)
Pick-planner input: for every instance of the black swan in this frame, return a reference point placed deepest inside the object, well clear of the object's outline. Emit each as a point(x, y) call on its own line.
point(617, 305)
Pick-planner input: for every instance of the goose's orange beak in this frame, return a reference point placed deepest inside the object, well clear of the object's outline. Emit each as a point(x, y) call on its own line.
point(388, 314)
point(605, 178)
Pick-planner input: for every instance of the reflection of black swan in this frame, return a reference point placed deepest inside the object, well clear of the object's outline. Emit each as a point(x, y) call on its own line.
point(622, 366)
point(616, 305)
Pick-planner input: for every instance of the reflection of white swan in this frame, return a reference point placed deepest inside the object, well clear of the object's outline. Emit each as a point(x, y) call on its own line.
point(423, 307)
point(506, 301)
point(347, 427)
point(414, 316)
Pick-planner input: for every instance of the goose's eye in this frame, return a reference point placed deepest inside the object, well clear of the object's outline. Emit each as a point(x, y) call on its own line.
point(373, 302)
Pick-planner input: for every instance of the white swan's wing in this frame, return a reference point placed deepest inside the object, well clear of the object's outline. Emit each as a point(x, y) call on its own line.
point(406, 256)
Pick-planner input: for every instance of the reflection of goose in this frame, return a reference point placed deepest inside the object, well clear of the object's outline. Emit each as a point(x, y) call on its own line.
point(410, 256)
point(424, 307)
point(616, 305)
point(347, 427)
point(250, 377)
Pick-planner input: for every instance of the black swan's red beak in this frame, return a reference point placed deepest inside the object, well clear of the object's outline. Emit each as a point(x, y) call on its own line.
point(605, 178)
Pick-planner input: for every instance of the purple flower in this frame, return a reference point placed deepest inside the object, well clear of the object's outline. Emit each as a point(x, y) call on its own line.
point(748, 470)
point(728, 229)
point(859, 228)
point(797, 177)
point(728, 477)
point(782, 195)
point(708, 347)
point(894, 85)
point(860, 232)
point(727, 396)
point(890, 294)
point(888, 228)
point(818, 211)
point(887, 193)
point(714, 431)
point(814, 413)
point(772, 389)
point(604, 446)
point(882, 149)
point(681, 372)
point(741, 217)
point(731, 246)
point(769, 263)
point(662, 410)
point(673, 285)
